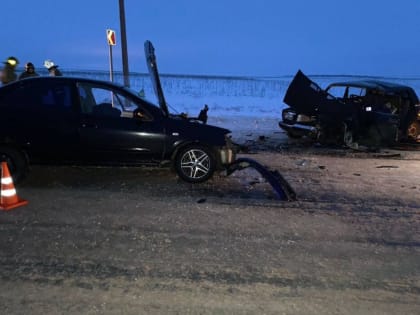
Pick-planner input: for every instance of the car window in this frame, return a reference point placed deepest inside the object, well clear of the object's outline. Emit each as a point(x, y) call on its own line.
point(104, 101)
point(356, 91)
point(342, 91)
point(337, 91)
point(46, 95)
point(58, 96)
point(17, 97)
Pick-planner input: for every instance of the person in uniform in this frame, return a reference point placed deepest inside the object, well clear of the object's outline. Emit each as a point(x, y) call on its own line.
point(29, 71)
point(52, 68)
point(8, 73)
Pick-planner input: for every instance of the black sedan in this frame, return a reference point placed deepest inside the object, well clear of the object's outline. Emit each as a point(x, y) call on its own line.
point(80, 121)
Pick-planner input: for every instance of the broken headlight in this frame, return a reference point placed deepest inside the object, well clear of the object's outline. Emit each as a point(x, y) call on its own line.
point(289, 115)
point(304, 118)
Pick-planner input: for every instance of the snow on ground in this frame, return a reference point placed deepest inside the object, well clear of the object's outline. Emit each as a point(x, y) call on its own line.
point(245, 105)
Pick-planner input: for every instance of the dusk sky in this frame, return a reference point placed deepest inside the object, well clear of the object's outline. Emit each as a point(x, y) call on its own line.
point(220, 37)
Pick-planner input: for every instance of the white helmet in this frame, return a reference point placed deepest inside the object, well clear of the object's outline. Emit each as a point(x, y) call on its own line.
point(48, 63)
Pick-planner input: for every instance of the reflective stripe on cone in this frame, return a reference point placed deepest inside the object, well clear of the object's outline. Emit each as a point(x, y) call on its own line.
point(8, 196)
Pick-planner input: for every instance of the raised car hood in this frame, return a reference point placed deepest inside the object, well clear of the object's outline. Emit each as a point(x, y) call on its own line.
point(304, 95)
point(149, 52)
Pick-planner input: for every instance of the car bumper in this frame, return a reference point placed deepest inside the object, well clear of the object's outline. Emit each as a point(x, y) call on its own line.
point(298, 128)
point(227, 154)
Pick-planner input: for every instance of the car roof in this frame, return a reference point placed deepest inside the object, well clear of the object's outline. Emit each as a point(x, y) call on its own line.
point(372, 84)
point(46, 79)
point(387, 87)
point(68, 78)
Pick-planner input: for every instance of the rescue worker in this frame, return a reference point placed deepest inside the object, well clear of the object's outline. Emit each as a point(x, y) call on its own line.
point(29, 71)
point(8, 73)
point(52, 68)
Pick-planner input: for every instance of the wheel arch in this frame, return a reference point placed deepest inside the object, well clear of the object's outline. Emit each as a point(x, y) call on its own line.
point(16, 157)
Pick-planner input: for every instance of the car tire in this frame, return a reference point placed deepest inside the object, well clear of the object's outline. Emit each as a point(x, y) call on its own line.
point(195, 164)
point(16, 162)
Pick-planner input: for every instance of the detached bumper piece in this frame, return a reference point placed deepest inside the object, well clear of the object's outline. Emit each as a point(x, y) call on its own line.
point(282, 188)
point(304, 129)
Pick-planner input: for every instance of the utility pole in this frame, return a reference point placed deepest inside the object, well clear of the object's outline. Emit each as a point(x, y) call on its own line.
point(124, 45)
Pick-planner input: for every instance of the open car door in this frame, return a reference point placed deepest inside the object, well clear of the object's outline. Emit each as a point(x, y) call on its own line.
point(307, 97)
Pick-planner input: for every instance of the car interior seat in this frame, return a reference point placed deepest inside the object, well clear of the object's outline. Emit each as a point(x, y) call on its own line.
point(106, 109)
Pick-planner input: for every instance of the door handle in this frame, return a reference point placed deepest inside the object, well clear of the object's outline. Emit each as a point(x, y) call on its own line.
point(89, 125)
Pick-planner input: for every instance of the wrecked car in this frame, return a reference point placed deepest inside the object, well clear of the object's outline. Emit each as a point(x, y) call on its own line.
point(366, 112)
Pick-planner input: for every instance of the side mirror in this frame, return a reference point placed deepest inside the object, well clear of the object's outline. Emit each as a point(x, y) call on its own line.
point(138, 114)
point(141, 115)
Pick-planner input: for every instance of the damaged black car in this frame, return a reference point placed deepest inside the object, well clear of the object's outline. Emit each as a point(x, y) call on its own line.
point(82, 121)
point(370, 113)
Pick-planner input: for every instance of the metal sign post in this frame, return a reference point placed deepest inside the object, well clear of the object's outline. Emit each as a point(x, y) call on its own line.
point(110, 35)
point(124, 44)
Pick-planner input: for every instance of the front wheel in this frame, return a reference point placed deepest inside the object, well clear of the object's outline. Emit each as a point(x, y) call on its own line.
point(195, 164)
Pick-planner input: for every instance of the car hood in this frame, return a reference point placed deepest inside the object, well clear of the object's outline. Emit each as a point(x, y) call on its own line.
point(149, 52)
point(196, 131)
point(306, 96)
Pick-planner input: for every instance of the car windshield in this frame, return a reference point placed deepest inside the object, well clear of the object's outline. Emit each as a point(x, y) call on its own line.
point(140, 94)
point(133, 92)
point(153, 102)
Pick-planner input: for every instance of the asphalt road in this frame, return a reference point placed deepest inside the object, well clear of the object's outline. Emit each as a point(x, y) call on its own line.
point(139, 241)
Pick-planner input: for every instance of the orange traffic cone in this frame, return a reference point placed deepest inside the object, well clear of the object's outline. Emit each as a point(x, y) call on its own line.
point(8, 197)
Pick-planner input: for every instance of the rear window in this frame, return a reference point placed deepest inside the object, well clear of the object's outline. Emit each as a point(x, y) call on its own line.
point(39, 94)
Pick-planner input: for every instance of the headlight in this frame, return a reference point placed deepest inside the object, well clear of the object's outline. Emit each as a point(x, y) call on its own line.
point(304, 118)
point(289, 115)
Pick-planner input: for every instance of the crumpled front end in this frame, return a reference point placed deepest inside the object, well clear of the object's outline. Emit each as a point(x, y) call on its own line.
point(413, 130)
